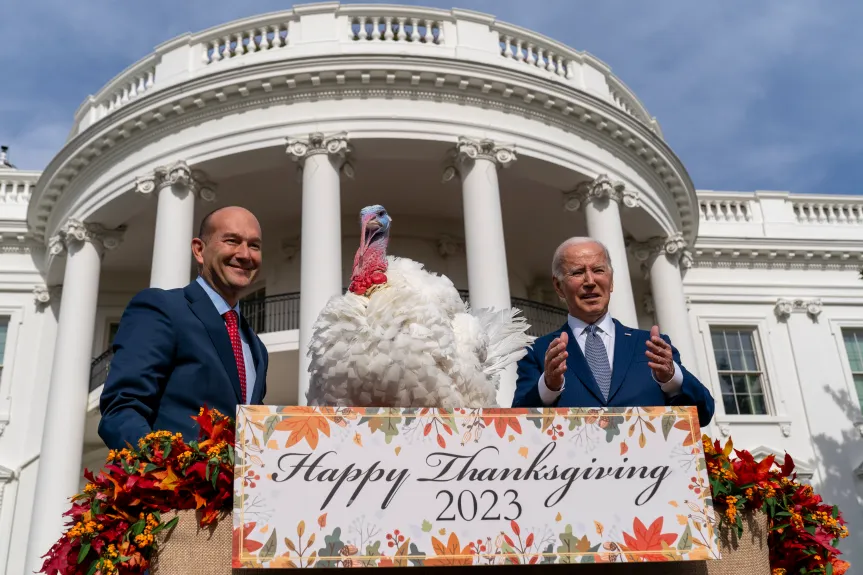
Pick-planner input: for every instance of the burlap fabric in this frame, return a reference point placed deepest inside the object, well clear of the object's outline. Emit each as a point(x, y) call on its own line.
point(189, 550)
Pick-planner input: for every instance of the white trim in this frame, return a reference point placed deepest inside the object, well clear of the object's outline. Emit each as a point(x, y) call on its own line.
point(836, 326)
point(776, 412)
point(10, 353)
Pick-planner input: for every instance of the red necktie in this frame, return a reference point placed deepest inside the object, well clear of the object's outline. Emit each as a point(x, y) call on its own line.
point(231, 321)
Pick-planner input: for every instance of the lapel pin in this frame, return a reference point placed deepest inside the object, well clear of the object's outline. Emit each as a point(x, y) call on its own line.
point(627, 333)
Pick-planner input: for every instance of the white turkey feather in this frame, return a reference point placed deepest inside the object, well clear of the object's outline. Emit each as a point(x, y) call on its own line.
point(412, 343)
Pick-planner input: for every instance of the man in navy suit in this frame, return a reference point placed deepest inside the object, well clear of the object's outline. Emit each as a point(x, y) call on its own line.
point(180, 349)
point(595, 361)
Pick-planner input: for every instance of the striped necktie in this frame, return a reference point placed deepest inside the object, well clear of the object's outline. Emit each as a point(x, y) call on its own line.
point(597, 358)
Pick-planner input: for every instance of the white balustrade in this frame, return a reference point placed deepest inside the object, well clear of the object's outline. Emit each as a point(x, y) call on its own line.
point(828, 212)
point(725, 210)
point(13, 192)
point(232, 44)
point(396, 29)
point(535, 54)
point(326, 30)
point(129, 88)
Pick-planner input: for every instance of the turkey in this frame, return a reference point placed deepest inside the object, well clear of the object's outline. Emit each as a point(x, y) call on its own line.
point(403, 337)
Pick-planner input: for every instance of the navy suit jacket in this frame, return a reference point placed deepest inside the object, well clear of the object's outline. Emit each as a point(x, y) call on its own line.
point(632, 382)
point(172, 355)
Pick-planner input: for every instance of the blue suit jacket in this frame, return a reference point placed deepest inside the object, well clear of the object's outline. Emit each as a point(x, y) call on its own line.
point(172, 355)
point(632, 382)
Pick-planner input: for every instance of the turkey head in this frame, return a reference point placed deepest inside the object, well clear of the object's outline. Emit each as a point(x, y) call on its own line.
point(370, 261)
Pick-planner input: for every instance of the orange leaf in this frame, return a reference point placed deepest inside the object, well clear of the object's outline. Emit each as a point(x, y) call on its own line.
point(170, 482)
point(322, 520)
point(304, 427)
point(623, 448)
point(440, 441)
point(199, 501)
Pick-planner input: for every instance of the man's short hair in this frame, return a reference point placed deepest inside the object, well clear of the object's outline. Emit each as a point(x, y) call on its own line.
point(557, 260)
point(206, 229)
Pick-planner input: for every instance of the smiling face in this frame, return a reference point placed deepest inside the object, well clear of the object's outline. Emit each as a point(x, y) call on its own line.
point(229, 253)
point(585, 281)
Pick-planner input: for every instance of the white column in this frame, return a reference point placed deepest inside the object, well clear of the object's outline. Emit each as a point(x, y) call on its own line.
point(662, 259)
point(65, 418)
point(477, 163)
point(322, 158)
point(601, 199)
point(177, 187)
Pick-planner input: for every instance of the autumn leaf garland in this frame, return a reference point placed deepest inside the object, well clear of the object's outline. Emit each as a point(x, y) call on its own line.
point(114, 521)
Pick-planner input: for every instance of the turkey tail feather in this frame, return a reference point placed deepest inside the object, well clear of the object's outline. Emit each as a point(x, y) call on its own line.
point(507, 336)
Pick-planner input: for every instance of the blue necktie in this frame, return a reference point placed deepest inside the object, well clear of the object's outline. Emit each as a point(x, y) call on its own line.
point(597, 358)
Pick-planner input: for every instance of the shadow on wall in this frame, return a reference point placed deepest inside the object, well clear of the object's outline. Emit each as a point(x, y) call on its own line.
point(841, 486)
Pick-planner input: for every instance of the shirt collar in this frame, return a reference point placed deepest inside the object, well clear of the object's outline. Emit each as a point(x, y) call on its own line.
point(605, 323)
point(221, 305)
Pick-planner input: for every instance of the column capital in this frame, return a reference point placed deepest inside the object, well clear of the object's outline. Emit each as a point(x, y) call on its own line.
point(179, 175)
point(336, 145)
point(600, 188)
point(74, 230)
point(674, 246)
point(470, 149)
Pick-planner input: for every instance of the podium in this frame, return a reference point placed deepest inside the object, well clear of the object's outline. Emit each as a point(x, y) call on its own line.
point(606, 491)
point(189, 550)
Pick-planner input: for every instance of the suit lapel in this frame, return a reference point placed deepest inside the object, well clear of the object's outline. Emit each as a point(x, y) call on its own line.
point(577, 367)
point(205, 311)
point(624, 347)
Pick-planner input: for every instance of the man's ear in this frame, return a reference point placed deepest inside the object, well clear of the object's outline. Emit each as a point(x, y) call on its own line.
point(198, 250)
point(557, 288)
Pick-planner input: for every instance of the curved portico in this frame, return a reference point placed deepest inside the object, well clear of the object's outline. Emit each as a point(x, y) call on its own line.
point(487, 143)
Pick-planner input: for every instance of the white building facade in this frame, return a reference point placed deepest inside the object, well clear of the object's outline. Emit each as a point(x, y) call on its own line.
point(488, 144)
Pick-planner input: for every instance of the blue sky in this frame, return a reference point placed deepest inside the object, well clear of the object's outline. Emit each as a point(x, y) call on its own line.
point(750, 95)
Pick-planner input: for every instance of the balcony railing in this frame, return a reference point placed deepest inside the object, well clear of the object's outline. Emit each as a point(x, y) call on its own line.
point(331, 29)
point(282, 313)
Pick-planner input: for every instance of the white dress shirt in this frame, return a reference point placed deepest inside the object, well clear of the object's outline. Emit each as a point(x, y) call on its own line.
point(606, 333)
point(222, 307)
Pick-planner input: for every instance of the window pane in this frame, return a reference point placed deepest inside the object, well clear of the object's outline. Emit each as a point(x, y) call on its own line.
point(854, 348)
point(722, 361)
point(718, 337)
point(744, 404)
point(858, 383)
point(759, 405)
point(739, 383)
point(754, 384)
point(730, 404)
point(4, 326)
point(725, 384)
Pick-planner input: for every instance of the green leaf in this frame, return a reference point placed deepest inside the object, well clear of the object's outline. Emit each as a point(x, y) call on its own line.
point(613, 428)
point(270, 427)
point(829, 569)
point(82, 554)
point(590, 558)
point(231, 454)
point(150, 467)
point(170, 524)
point(507, 550)
point(268, 551)
point(667, 424)
point(569, 544)
point(548, 553)
point(92, 568)
point(138, 527)
point(685, 542)
point(332, 547)
point(426, 526)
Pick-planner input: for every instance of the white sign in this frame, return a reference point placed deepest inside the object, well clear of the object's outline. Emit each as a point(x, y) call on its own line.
point(376, 487)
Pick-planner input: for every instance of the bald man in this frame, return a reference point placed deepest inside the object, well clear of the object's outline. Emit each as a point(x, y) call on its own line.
point(180, 349)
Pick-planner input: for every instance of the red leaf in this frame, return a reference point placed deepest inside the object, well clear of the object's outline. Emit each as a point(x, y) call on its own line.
point(515, 528)
point(529, 541)
point(509, 540)
point(427, 429)
point(440, 440)
point(787, 466)
point(534, 559)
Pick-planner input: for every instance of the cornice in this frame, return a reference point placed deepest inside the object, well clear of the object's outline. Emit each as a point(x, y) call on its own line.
point(367, 76)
